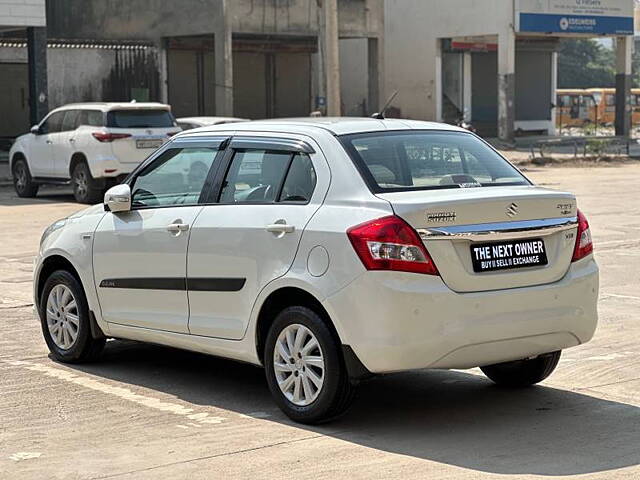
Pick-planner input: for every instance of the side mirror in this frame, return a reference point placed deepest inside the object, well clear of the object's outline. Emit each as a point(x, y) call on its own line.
point(35, 130)
point(118, 199)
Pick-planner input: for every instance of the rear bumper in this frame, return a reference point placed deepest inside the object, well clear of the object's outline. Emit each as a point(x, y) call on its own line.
point(109, 167)
point(399, 321)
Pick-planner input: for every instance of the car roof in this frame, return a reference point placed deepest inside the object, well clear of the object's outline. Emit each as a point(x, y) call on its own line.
point(108, 106)
point(210, 120)
point(334, 125)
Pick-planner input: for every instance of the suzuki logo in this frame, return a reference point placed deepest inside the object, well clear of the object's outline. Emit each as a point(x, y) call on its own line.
point(513, 210)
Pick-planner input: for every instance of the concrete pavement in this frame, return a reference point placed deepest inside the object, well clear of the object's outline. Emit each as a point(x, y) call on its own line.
point(148, 412)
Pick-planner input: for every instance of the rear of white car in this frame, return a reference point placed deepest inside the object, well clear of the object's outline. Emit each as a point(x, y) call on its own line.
point(475, 267)
point(130, 134)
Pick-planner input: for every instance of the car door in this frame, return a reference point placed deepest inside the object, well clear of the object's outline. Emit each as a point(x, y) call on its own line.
point(40, 155)
point(269, 190)
point(139, 256)
point(63, 144)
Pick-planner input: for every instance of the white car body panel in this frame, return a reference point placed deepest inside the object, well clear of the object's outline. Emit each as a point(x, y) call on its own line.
point(393, 321)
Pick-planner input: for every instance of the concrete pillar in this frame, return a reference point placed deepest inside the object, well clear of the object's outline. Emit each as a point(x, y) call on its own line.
point(331, 56)
point(554, 88)
point(436, 84)
point(37, 59)
point(374, 65)
point(467, 83)
point(163, 71)
point(506, 84)
point(624, 51)
point(224, 62)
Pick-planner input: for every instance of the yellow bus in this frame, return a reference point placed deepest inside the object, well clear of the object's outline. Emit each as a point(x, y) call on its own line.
point(575, 107)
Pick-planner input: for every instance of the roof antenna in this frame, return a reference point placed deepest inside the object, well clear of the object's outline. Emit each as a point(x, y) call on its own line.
point(380, 115)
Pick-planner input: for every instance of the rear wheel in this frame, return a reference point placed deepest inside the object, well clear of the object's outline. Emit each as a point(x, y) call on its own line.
point(22, 181)
point(84, 189)
point(64, 315)
point(304, 367)
point(523, 373)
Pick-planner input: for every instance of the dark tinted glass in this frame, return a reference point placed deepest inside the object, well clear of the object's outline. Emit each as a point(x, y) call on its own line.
point(92, 118)
point(140, 119)
point(53, 124)
point(300, 181)
point(70, 121)
point(397, 161)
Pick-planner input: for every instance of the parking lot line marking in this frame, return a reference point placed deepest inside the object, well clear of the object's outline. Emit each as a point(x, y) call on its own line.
point(120, 392)
point(615, 295)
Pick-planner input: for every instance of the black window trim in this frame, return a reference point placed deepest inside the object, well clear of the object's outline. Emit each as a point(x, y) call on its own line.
point(367, 176)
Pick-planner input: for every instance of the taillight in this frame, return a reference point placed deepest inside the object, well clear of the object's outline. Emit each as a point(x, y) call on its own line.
point(584, 244)
point(109, 137)
point(389, 243)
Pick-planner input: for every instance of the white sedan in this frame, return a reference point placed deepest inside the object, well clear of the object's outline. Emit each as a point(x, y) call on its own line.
point(326, 250)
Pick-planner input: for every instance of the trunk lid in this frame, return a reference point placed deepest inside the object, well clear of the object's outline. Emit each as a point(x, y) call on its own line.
point(452, 221)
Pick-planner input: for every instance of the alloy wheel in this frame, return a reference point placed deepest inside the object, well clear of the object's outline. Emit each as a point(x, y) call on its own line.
point(62, 316)
point(299, 365)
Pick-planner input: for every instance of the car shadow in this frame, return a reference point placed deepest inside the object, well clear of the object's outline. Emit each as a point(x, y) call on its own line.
point(449, 417)
point(48, 194)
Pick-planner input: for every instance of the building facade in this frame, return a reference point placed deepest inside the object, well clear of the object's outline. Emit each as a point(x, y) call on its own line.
point(24, 97)
point(494, 62)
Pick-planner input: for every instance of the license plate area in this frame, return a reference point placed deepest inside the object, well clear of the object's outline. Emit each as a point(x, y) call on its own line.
point(149, 143)
point(508, 254)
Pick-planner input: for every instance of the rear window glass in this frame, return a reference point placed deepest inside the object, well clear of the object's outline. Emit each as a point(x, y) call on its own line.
point(418, 160)
point(140, 119)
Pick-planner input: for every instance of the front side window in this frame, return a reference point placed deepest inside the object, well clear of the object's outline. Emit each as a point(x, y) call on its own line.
point(176, 177)
point(53, 123)
point(403, 161)
point(70, 121)
point(143, 118)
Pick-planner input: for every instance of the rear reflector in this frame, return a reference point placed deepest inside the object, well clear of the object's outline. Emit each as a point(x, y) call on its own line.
point(390, 243)
point(584, 244)
point(109, 137)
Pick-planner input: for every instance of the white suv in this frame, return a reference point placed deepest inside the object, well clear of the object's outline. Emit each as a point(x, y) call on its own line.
point(326, 250)
point(90, 145)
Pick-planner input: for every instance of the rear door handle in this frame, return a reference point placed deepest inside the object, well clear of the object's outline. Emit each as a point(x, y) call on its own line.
point(177, 227)
point(72, 140)
point(280, 228)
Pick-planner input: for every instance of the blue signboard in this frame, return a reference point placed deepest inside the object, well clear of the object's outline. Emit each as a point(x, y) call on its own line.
point(554, 23)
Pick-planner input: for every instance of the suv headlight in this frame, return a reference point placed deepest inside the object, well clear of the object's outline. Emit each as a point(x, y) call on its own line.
point(52, 228)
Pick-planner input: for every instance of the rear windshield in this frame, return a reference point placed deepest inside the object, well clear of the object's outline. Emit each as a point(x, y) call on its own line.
point(140, 119)
point(420, 160)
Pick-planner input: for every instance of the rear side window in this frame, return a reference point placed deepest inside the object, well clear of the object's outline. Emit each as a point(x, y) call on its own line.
point(91, 118)
point(419, 160)
point(147, 118)
point(300, 181)
point(255, 176)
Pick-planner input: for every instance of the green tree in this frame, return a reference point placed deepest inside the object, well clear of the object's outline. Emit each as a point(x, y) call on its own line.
point(585, 63)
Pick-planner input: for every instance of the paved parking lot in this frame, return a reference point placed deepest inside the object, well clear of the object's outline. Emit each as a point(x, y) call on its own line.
point(153, 412)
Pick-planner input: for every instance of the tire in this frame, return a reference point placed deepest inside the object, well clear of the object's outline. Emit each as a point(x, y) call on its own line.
point(335, 394)
point(523, 373)
point(22, 180)
point(84, 189)
point(84, 348)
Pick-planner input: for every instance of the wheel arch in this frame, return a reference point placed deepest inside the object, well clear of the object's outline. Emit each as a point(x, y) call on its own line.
point(76, 158)
point(280, 299)
point(15, 156)
point(50, 265)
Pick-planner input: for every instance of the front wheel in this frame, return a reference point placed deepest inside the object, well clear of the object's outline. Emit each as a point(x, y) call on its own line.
point(22, 180)
point(523, 373)
point(84, 189)
point(64, 314)
point(304, 367)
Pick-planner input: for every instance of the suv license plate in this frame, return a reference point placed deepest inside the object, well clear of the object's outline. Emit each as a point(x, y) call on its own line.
point(487, 257)
point(154, 143)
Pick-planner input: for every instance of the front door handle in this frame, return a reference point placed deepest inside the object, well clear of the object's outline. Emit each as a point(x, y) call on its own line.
point(177, 227)
point(72, 140)
point(280, 228)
